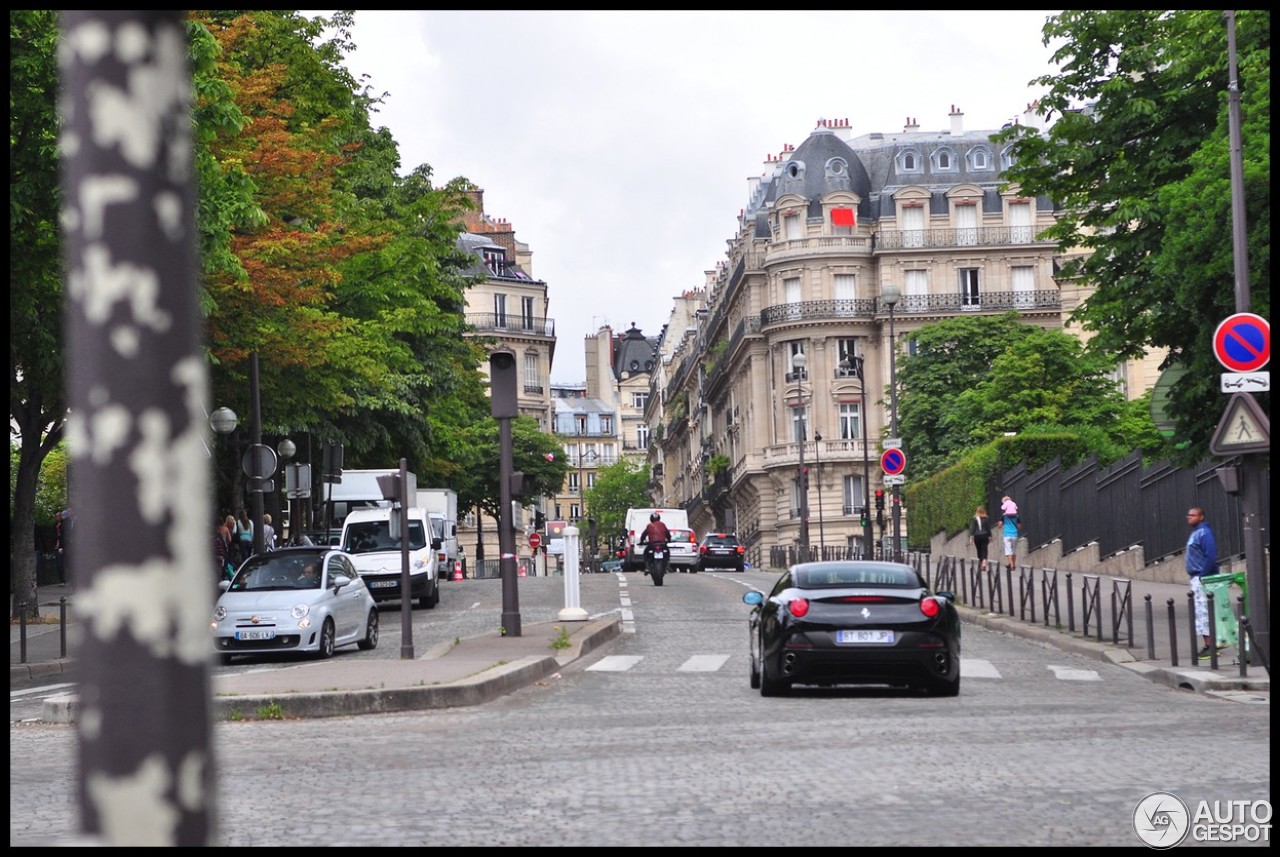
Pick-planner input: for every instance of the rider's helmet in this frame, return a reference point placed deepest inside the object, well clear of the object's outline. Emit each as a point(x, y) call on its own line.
point(653, 516)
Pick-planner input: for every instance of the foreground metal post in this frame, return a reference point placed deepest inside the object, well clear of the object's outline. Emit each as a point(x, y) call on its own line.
point(504, 408)
point(137, 397)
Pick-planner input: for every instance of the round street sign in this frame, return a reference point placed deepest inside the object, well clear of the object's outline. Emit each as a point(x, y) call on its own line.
point(1242, 342)
point(535, 540)
point(893, 461)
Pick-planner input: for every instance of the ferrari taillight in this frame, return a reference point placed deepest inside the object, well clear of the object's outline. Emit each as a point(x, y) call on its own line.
point(798, 607)
point(741, 550)
point(929, 607)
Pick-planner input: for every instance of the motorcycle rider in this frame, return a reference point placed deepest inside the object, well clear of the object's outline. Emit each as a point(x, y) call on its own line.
point(654, 535)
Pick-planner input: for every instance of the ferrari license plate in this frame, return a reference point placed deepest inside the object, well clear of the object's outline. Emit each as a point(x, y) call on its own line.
point(882, 638)
point(256, 635)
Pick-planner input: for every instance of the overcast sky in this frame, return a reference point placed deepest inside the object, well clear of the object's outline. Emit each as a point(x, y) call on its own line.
point(619, 144)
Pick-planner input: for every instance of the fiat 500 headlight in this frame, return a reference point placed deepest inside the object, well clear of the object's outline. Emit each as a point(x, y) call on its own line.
point(300, 611)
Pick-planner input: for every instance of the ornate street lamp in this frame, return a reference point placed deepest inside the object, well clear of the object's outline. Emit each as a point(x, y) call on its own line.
point(890, 295)
point(287, 449)
point(798, 361)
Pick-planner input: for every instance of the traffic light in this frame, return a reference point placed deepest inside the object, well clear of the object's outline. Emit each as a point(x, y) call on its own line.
point(879, 499)
point(865, 519)
point(539, 521)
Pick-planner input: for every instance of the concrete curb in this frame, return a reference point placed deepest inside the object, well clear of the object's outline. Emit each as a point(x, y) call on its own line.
point(485, 685)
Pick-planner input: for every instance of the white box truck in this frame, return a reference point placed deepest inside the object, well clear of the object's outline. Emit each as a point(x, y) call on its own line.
point(442, 511)
point(637, 520)
point(358, 490)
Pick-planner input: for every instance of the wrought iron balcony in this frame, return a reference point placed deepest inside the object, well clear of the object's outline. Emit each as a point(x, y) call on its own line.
point(912, 239)
point(984, 302)
point(494, 322)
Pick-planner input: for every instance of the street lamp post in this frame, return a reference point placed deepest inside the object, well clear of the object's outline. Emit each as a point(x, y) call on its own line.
point(817, 467)
point(798, 361)
point(224, 421)
point(890, 295)
point(859, 370)
point(287, 449)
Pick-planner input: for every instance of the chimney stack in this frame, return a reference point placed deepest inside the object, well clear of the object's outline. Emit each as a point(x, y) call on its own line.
point(957, 122)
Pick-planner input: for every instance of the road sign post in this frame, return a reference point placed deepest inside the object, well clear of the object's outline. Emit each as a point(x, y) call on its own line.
point(893, 462)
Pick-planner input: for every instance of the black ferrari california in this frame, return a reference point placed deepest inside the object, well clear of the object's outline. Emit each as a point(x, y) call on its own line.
point(853, 622)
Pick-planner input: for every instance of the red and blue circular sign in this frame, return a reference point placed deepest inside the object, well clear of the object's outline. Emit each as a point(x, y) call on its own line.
point(893, 461)
point(1242, 343)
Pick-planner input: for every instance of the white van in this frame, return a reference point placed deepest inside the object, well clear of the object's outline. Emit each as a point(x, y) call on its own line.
point(366, 535)
point(637, 520)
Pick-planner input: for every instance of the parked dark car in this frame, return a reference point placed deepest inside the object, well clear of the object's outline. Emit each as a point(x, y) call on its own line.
point(853, 622)
point(721, 550)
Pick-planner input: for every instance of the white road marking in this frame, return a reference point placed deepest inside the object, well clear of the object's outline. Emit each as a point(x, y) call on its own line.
point(615, 663)
point(1072, 674)
point(703, 663)
point(34, 691)
point(978, 668)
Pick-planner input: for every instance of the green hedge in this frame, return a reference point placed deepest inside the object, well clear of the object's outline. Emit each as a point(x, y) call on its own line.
point(944, 502)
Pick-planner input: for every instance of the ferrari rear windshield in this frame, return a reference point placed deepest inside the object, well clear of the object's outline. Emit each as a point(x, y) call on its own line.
point(820, 575)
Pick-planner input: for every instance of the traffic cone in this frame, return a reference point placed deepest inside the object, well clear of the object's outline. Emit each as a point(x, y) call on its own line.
point(457, 569)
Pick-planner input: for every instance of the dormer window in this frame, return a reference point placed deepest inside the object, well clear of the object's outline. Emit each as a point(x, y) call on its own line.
point(795, 170)
point(837, 167)
point(1006, 158)
point(944, 160)
point(979, 159)
point(909, 161)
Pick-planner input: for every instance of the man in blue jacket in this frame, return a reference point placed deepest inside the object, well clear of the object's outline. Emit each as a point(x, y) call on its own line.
point(1202, 560)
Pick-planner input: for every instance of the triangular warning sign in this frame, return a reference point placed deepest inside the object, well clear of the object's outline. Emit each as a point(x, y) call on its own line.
point(1243, 428)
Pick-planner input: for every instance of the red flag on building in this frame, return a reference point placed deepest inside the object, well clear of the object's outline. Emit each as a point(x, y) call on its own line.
point(843, 217)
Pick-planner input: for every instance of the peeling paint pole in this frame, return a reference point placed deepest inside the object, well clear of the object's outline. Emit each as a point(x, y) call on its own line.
point(137, 391)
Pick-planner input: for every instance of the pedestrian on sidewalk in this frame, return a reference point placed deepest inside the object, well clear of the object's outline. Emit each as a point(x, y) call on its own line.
point(268, 533)
point(980, 535)
point(244, 535)
point(1010, 530)
point(1202, 560)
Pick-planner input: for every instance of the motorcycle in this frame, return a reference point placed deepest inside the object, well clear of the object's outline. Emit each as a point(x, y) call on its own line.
point(656, 559)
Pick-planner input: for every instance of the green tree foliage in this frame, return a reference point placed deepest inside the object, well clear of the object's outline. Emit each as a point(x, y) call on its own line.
point(620, 486)
point(534, 452)
point(975, 379)
point(1139, 160)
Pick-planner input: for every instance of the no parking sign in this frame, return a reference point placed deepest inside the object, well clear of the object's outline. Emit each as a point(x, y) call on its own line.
point(893, 462)
point(1242, 342)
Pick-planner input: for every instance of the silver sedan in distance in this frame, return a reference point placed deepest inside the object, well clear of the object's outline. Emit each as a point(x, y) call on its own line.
point(297, 599)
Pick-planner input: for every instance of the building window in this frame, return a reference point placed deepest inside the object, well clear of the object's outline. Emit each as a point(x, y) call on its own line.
point(855, 495)
point(642, 436)
point(794, 347)
point(909, 162)
point(574, 511)
point(966, 224)
point(1024, 285)
point(531, 371)
point(606, 424)
point(913, 226)
point(944, 160)
point(573, 482)
point(980, 159)
point(580, 424)
point(799, 423)
point(526, 313)
point(846, 293)
point(640, 400)
point(916, 282)
point(792, 229)
point(850, 416)
point(1020, 222)
point(500, 310)
point(1006, 157)
point(969, 298)
point(791, 296)
point(846, 357)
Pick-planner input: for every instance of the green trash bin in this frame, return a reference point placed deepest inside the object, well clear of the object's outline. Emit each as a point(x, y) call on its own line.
point(1224, 605)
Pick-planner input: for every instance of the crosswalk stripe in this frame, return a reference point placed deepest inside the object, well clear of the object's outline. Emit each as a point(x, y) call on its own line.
point(1073, 674)
point(703, 663)
point(978, 668)
point(616, 663)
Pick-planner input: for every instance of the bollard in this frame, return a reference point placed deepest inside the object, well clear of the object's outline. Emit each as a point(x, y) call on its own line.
point(22, 632)
point(62, 623)
point(1242, 649)
point(1213, 632)
point(1151, 629)
point(1071, 608)
point(1173, 636)
point(1191, 626)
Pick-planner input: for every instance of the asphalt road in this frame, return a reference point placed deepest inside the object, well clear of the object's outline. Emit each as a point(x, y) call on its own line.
point(656, 739)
